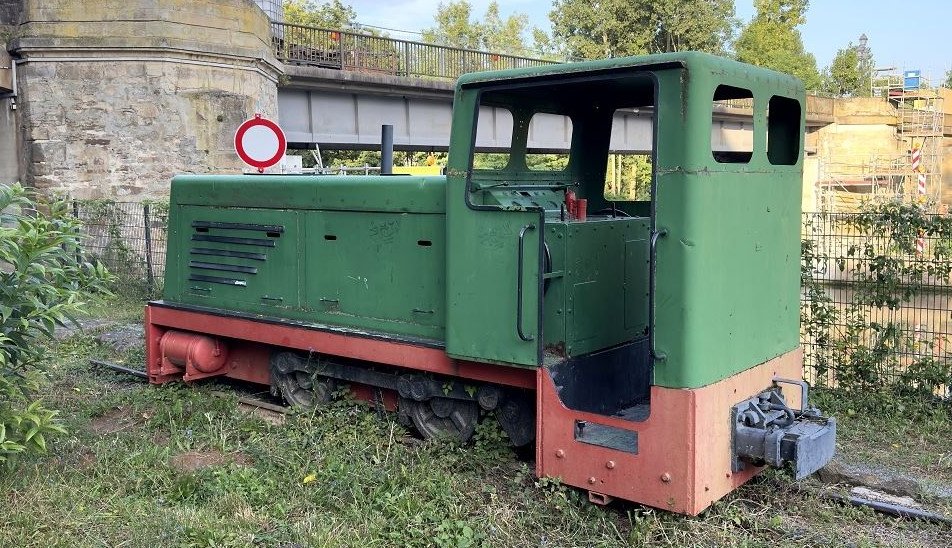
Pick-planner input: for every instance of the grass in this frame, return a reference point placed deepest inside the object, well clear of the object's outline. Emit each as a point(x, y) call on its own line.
point(180, 466)
point(900, 434)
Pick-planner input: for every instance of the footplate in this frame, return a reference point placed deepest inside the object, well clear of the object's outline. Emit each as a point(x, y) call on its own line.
point(767, 431)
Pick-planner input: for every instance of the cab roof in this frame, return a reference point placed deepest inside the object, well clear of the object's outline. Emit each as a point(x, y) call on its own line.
point(693, 61)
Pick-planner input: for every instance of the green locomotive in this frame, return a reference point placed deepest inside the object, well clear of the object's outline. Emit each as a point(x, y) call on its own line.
point(649, 349)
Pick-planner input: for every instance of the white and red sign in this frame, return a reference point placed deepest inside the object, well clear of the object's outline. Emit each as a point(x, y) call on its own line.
point(260, 143)
point(916, 158)
point(921, 188)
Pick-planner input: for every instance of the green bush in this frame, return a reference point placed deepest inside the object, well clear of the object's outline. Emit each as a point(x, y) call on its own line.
point(42, 285)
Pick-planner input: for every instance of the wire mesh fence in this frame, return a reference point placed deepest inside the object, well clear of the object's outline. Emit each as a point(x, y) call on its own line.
point(129, 238)
point(876, 306)
point(876, 300)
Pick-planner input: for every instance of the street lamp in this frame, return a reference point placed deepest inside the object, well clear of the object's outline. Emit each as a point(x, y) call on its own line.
point(865, 61)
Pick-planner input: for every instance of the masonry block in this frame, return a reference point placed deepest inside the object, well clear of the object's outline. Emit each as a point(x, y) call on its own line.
point(153, 88)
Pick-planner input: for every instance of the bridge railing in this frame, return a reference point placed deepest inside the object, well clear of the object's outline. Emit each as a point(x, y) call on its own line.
point(338, 49)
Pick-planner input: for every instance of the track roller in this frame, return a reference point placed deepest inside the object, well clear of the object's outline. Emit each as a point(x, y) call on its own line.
point(295, 380)
point(441, 417)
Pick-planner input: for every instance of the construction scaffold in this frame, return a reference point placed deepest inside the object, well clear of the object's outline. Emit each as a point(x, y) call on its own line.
point(914, 172)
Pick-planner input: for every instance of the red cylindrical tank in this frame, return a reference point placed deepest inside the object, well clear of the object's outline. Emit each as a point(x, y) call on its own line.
point(191, 351)
point(570, 203)
point(581, 209)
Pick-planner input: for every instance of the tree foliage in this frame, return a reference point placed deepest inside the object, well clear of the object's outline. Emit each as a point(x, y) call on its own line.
point(333, 14)
point(772, 40)
point(595, 29)
point(705, 25)
point(505, 35)
point(849, 74)
point(457, 26)
point(948, 79)
point(42, 283)
point(629, 177)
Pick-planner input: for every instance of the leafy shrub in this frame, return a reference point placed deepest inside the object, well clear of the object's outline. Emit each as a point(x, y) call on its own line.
point(42, 284)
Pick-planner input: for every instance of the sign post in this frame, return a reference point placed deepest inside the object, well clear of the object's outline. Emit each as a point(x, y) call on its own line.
point(260, 143)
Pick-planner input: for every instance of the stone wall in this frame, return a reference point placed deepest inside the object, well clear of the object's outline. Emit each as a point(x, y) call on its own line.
point(863, 131)
point(946, 149)
point(9, 15)
point(844, 149)
point(118, 96)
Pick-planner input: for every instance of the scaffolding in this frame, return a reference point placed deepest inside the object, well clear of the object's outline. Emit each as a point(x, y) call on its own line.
point(844, 183)
point(912, 175)
point(920, 114)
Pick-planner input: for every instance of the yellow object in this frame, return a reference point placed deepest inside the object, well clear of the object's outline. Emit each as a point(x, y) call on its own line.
point(309, 478)
point(418, 170)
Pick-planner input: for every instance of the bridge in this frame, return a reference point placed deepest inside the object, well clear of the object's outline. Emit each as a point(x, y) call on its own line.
point(99, 106)
point(341, 86)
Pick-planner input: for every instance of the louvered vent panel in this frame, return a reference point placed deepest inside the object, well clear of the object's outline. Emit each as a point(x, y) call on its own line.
point(205, 263)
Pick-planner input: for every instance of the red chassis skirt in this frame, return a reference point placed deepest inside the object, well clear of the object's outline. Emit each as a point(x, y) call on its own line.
point(250, 343)
point(682, 462)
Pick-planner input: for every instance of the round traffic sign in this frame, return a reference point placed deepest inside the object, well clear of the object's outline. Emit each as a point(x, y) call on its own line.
point(260, 143)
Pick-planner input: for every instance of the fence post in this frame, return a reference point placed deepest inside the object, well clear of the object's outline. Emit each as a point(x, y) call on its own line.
point(79, 249)
point(340, 45)
point(148, 249)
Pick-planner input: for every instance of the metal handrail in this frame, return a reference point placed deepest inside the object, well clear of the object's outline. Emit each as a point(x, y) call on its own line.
point(345, 50)
point(519, 276)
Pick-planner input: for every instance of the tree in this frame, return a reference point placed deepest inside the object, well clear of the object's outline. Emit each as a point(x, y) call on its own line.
point(849, 74)
point(594, 29)
point(504, 35)
point(628, 177)
point(700, 26)
point(42, 283)
point(772, 40)
point(543, 45)
point(456, 27)
point(948, 79)
point(310, 13)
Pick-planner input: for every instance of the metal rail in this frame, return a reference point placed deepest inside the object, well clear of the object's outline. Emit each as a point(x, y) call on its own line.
point(120, 368)
point(899, 510)
point(344, 50)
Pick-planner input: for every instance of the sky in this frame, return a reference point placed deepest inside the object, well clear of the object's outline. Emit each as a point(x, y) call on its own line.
point(905, 35)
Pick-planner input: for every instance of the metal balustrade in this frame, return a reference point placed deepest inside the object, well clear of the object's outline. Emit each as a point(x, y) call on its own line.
point(344, 50)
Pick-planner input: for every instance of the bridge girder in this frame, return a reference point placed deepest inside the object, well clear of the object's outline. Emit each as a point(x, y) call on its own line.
point(344, 110)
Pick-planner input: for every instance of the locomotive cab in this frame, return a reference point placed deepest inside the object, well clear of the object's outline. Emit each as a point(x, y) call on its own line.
point(658, 326)
point(581, 252)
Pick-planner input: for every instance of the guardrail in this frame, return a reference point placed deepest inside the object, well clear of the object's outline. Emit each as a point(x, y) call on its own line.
point(343, 50)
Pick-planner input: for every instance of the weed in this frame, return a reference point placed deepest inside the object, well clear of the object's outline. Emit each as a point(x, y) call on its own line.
point(490, 442)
